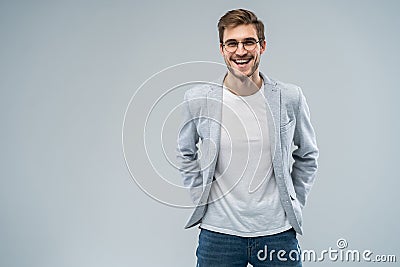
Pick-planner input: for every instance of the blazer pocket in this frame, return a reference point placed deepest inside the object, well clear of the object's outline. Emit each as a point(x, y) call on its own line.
point(287, 126)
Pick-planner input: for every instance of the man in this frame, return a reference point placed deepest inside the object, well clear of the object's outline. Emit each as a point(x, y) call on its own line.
point(249, 197)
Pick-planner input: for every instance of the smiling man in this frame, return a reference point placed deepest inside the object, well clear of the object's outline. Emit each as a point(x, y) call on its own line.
point(249, 195)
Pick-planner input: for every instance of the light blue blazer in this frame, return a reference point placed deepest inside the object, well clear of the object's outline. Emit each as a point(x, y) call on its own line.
point(290, 124)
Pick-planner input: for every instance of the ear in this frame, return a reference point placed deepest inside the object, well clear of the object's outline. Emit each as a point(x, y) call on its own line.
point(263, 45)
point(221, 49)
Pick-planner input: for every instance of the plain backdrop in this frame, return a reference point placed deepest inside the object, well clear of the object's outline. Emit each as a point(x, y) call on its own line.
point(68, 70)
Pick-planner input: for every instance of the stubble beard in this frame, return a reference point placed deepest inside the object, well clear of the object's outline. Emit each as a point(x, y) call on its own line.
point(240, 75)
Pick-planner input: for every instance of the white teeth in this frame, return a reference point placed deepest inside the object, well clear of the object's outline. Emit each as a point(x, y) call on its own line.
point(242, 61)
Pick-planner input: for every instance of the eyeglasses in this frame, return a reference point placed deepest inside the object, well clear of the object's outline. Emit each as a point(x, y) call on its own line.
point(248, 44)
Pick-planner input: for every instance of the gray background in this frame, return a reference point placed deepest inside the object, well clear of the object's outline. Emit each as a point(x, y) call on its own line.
point(68, 70)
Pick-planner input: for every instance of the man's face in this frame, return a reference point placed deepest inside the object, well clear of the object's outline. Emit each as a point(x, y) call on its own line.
point(242, 61)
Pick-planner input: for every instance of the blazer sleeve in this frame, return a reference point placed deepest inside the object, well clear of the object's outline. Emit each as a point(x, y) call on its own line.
point(306, 154)
point(187, 152)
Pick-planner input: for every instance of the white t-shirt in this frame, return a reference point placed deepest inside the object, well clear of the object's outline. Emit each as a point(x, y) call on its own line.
point(244, 199)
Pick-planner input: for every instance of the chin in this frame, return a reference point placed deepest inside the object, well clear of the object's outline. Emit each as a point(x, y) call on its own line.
point(248, 72)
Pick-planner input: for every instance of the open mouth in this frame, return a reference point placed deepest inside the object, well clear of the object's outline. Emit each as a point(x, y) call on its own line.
point(241, 62)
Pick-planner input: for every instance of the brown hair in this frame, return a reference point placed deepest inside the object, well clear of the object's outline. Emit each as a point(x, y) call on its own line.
point(238, 17)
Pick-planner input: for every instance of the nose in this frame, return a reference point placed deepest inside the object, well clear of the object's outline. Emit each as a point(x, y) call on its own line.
point(240, 50)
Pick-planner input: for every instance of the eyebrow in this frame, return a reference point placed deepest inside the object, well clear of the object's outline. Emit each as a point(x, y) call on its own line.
point(245, 39)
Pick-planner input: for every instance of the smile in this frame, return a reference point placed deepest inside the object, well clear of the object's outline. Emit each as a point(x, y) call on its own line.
point(241, 61)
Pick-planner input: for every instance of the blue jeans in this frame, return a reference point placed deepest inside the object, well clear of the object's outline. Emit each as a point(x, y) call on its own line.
point(219, 250)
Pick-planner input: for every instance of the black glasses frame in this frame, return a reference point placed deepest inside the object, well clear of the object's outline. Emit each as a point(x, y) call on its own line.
point(237, 46)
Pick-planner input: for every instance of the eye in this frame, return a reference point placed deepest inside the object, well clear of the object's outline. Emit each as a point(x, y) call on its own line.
point(231, 44)
point(249, 42)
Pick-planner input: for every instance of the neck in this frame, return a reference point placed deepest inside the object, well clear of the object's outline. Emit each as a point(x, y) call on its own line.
point(243, 85)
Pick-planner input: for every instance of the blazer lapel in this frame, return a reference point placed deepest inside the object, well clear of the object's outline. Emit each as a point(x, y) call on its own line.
point(272, 98)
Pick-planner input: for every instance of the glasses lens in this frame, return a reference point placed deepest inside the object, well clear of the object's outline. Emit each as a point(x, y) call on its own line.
point(250, 45)
point(231, 46)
